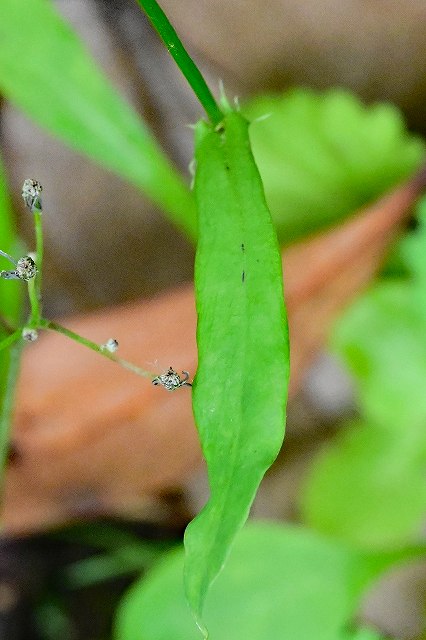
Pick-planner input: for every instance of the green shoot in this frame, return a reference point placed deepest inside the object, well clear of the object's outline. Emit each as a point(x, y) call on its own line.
point(185, 63)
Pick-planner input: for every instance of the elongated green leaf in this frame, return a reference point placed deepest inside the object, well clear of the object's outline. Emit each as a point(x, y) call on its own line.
point(322, 156)
point(280, 582)
point(241, 383)
point(45, 70)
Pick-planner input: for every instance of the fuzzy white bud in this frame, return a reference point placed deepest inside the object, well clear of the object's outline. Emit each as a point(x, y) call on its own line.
point(110, 345)
point(29, 335)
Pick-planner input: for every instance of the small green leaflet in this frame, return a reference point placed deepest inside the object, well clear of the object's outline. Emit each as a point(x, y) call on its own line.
point(240, 388)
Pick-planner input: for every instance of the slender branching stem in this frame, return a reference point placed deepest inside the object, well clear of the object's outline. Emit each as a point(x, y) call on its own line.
point(34, 285)
point(8, 257)
point(38, 225)
point(185, 63)
point(54, 326)
point(35, 316)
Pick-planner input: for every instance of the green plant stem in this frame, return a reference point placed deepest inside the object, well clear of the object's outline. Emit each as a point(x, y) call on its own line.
point(54, 326)
point(34, 285)
point(35, 318)
point(38, 225)
point(185, 63)
point(8, 402)
point(10, 339)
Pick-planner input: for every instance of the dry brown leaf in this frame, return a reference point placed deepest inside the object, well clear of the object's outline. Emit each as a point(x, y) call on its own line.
point(91, 438)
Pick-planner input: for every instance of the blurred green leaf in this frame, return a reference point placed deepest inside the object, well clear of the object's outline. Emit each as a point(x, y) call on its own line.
point(10, 292)
point(280, 582)
point(241, 383)
point(413, 252)
point(11, 299)
point(47, 72)
point(323, 156)
point(123, 552)
point(363, 634)
point(102, 567)
point(382, 340)
point(368, 486)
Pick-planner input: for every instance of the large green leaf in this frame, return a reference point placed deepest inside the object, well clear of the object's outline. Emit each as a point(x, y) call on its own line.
point(368, 486)
point(47, 72)
point(241, 383)
point(323, 156)
point(280, 582)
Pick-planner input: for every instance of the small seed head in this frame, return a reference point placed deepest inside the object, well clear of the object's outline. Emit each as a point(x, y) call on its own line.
point(29, 335)
point(31, 190)
point(26, 268)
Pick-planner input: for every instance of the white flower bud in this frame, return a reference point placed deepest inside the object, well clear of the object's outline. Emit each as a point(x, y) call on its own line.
point(111, 345)
point(29, 335)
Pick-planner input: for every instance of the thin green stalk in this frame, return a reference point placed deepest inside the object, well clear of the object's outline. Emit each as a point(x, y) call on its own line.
point(38, 225)
point(8, 402)
point(10, 339)
point(161, 24)
point(35, 318)
point(34, 285)
point(54, 326)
